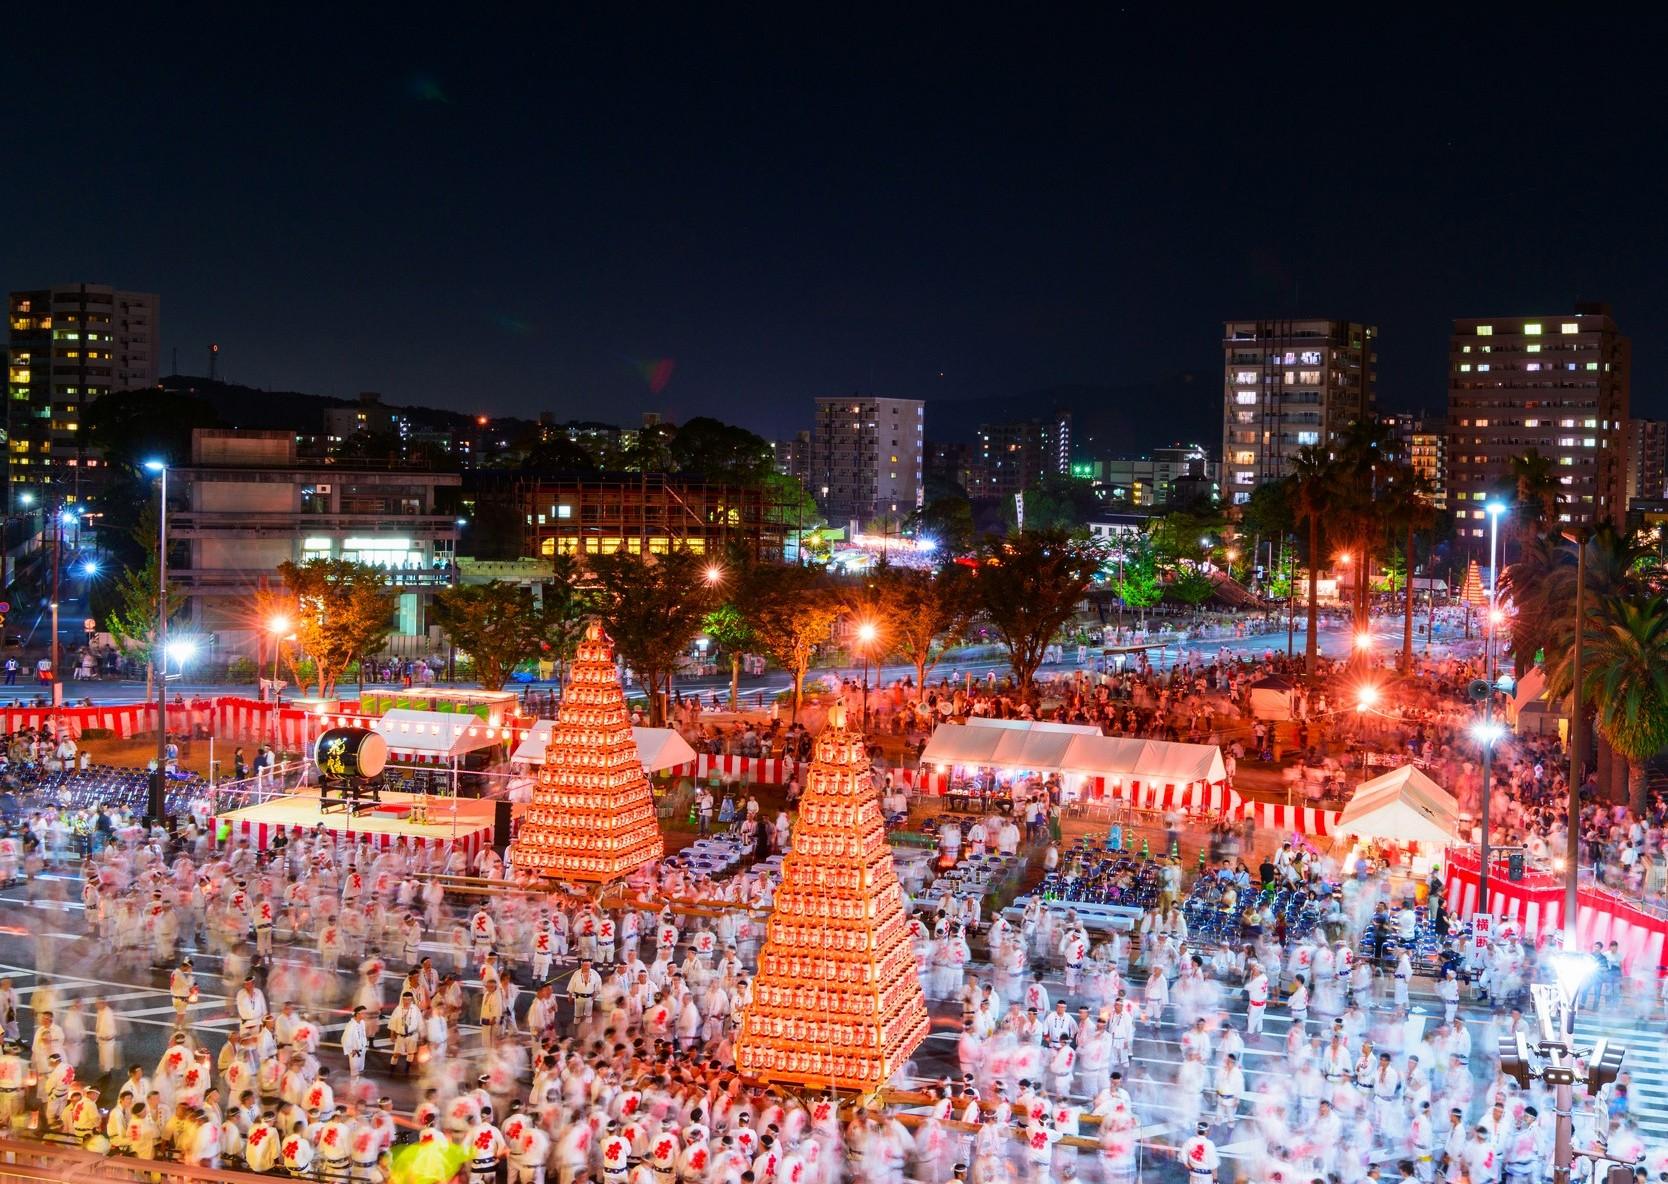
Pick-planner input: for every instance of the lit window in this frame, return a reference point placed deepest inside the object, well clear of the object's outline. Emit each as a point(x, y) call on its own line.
point(1531, 423)
point(1308, 437)
point(1485, 330)
point(1569, 327)
point(1592, 365)
point(1566, 460)
point(1245, 377)
point(1534, 365)
point(1245, 478)
point(1465, 349)
point(1465, 367)
point(1483, 368)
point(564, 511)
point(1245, 398)
point(1586, 441)
point(1589, 423)
point(1481, 423)
point(1476, 513)
point(1534, 348)
point(1532, 330)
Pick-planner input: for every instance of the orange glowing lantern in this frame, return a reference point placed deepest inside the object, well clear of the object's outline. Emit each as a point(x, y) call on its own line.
point(836, 1003)
point(591, 795)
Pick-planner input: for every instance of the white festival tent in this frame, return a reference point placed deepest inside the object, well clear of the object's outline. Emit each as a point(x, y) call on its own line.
point(658, 748)
point(1403, 805)
point(1071, 748)
point(436, 734)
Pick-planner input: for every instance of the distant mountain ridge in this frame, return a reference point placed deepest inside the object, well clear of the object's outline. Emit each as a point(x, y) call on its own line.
point(263, 410)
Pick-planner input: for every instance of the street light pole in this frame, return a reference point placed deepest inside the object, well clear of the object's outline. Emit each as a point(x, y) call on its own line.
point(156, 807)
point(1572, 839)
point(1494, 511)
point(57, 570)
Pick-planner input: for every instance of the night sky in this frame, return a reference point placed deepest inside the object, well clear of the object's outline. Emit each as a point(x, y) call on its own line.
point(525, 216)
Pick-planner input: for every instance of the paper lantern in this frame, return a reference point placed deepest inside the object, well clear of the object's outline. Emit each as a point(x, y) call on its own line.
point(592, 815)
point(837, 1000)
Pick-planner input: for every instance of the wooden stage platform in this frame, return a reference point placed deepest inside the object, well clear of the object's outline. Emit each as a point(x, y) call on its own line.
point(464, 821)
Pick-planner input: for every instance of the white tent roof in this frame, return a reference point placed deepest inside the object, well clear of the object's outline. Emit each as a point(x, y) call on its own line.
point(1071, 748)
point(1531, 687)
point(436, 733)
point(657, 748)
point(1404, 805)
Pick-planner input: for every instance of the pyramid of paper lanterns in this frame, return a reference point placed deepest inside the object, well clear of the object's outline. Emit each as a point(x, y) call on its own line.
point(592, 815)
point(837, 1000)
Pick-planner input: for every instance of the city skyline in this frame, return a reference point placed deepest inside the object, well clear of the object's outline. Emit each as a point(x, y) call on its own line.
point(606, 211)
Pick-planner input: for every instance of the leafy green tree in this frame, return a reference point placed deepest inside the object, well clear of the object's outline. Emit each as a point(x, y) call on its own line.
point(343, 612)
point(497, 624)
point(721, 452)
point(1536, 489)
point(131, 427)
point(731, 632)
point(792, 610)
point(1192, 585)
point(921, 612)
point(566, 606)
point(1028, 586)
point(652, 606)
point(1134, 571)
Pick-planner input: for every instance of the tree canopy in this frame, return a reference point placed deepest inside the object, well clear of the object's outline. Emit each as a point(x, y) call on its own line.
point(343, 612)
point(1028, 586)
point(497, 624)
point(652, 606)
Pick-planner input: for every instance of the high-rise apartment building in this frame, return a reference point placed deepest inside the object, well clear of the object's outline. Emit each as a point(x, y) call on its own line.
point(1013, 456)
point(868, 456)
point(1287, 384)
point(1647, 459)
point(69, 345)
point(1421, 441)
point(1557, 384)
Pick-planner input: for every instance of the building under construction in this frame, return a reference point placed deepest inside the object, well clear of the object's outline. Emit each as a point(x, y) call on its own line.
point(600, 513)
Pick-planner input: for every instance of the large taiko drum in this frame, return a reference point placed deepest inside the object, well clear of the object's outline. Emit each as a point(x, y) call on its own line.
point(351, 752)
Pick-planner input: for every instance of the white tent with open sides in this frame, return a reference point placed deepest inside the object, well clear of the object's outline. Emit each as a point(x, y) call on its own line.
point(1403, 805)
point(657, 748)
point(436, 735)
point(1071, 748)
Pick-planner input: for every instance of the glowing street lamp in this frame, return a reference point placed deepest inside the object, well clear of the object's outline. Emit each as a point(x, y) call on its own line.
point(714, 574)
point(866, 634)
point(156, 805)
point(1366, 698)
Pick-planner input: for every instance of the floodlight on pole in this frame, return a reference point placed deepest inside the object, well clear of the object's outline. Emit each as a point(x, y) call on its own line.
point(1487, 733)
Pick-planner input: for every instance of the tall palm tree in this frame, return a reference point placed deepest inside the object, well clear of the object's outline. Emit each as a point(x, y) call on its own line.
point(1310, 486)
point(1360, 469)
point(1537, 492)
point(1624, 678)
point(1406, 506)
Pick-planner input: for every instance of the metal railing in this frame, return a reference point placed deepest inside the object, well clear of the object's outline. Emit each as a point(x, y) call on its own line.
point(25, 1161)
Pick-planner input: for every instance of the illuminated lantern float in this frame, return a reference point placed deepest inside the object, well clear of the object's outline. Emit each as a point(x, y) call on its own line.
point(592, 817)
point(837, 1000)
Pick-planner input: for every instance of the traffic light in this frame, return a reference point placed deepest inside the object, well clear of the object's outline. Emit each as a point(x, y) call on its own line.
point(1514, 1058)
point(1514, 866)
point(1603, 1063)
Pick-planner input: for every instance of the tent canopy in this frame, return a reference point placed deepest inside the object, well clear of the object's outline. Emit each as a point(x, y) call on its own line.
point(1071, 748)
point(657, 748)
point(436, 733)
point(1404, 805)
